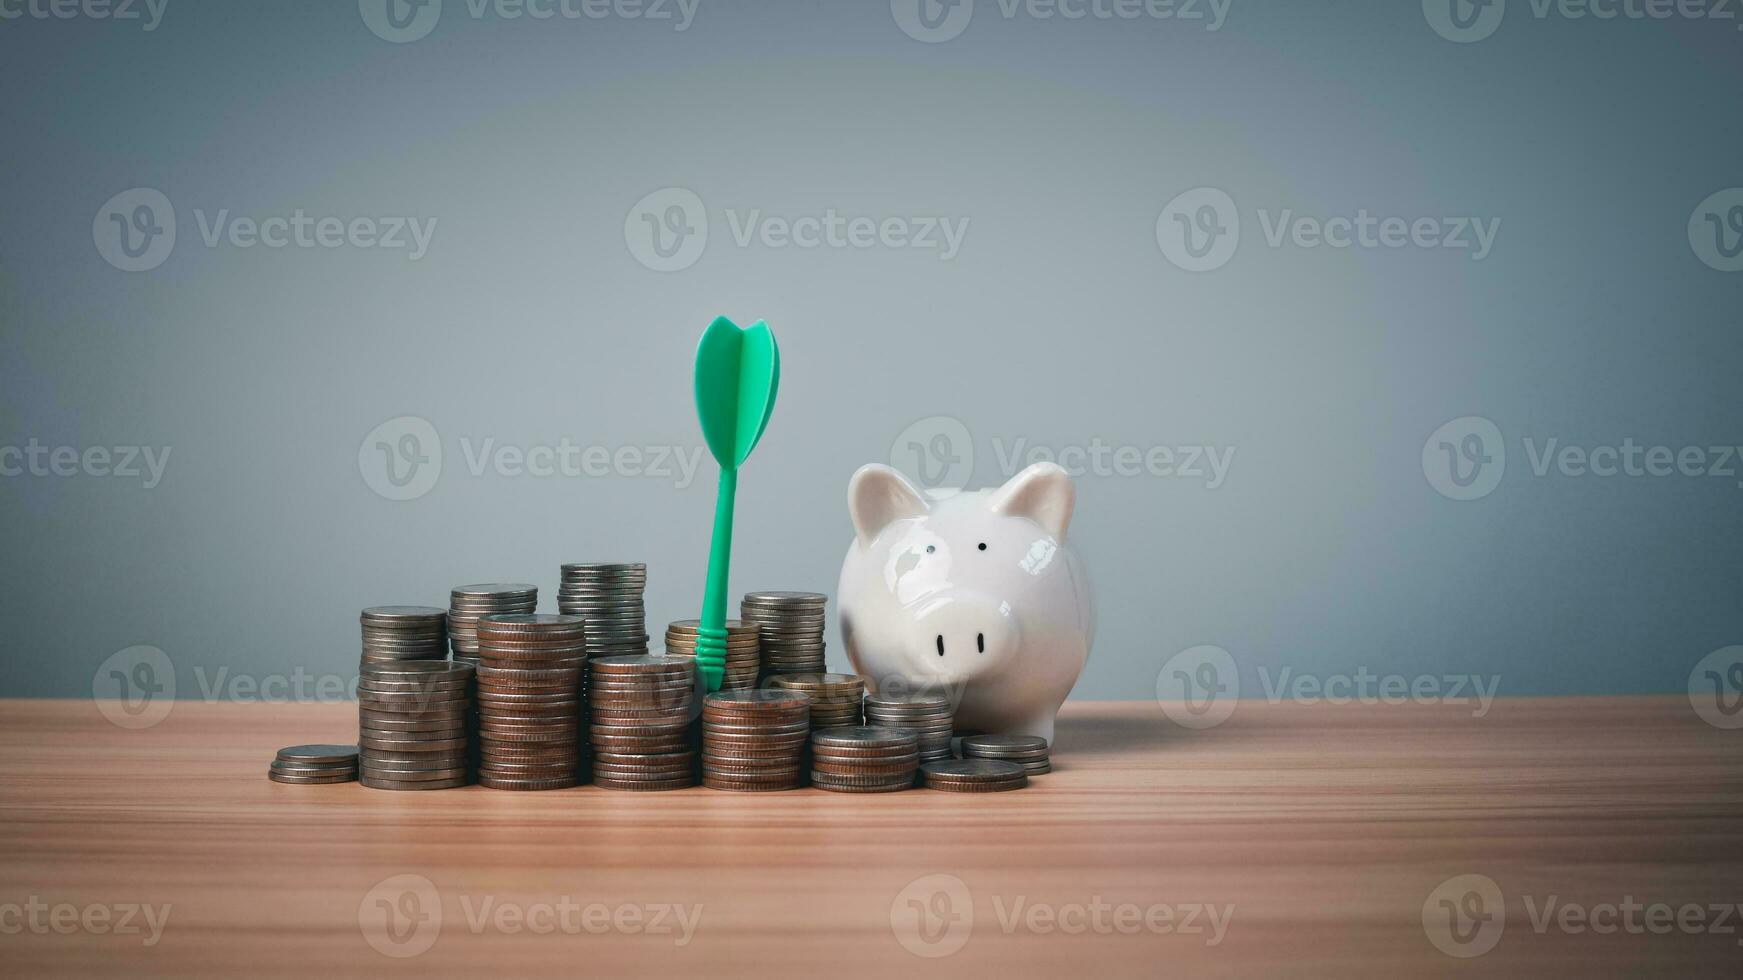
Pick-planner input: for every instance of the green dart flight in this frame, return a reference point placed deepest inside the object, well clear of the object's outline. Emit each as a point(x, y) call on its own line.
point(737, 372)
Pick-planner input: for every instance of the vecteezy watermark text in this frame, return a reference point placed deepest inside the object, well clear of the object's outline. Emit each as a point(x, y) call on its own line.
point(135, 231)
point(403, 916)
point(40, 918)
point(1465, 459)
point(1468, 21)
point(934, 916)
point(1465, 916)
point(148, 12)
point(144, 463)
point(1200, 229)
point(938, 451)
point(402, 21)
point(936, 21)
point(402, 459)
point(667, 230)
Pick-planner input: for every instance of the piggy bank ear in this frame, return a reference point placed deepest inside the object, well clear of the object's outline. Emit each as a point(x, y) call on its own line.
point(1042, 493)
point(878, 495)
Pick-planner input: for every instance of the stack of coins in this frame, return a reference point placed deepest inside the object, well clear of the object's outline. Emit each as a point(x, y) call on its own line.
point(752, 741)
point(608, 595)
point(642, 708)
point(928, 715)
point(791, 624)
point(974, 776)
point(836, 699)
point(411, 718)
point(742, 661)
point(404, 633)
point(1028, 751)
point(529, 700)
point(864, 759)
point(314, 764)
point(468, 602)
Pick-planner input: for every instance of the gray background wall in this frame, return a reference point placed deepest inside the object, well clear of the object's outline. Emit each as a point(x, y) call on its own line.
point(1061, 321)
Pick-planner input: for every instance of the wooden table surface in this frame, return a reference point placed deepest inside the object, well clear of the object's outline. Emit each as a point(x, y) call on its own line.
point(1317, 833)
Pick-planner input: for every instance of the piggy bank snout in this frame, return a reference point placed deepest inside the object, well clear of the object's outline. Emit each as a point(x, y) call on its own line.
point(965, 634)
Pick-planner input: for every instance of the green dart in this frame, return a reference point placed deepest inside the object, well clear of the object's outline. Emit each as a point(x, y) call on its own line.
point(737, 372)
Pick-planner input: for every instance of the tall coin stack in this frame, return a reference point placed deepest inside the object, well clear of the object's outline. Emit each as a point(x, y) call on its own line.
point(742, 661)
point(411, 719)
point(608, 595)
point(837, 700)
point(791, 627)
point(404, 633)
point(752, 740)
point(468, 602)
point(529, 700)
point(1028, 751)
point(926, 714)
point(858, 759)
point(639, 727)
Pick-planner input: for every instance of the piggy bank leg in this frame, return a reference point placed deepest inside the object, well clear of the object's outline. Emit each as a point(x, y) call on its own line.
point(1040, 723)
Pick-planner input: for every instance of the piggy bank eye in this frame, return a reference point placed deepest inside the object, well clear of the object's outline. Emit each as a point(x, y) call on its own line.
point(983, 546)
point(931, 548)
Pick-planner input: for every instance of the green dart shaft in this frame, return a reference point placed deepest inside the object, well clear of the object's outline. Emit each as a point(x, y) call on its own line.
point(711, 636)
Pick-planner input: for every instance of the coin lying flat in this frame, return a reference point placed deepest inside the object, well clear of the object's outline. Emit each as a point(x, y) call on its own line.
point(974, 776)
point(1028, 751)
point(319, 753)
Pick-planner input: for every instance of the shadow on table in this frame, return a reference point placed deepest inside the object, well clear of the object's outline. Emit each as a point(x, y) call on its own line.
point(1117, 735)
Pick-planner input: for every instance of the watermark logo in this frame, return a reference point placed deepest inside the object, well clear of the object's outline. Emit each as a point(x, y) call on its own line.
point(1199, 230)
point(148, 12)
point(1366, 687)
point(1465, 458)
point(933, 916)
point(1716, 688)
point(401, 459)
point(400, 21)
point(401, 916)
point(135, 688)
point(1464, 21)
point(1199, 687)
point(936, 451)
point(1464, 916)
point(135, 230)
point(932, 21)
point(667, 230)
point(1716, 230)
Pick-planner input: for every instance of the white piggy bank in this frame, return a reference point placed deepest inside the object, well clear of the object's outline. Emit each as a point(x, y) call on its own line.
point(971, 592)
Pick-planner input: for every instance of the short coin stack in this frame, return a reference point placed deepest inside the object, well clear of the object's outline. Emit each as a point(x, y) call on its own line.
point(529, 701)
point(791, 624)
point(412, 729)
point(860, 759)
point(608, 595)
point(404, 633)
point(974, 776)
point(928, 715)
point(837, 700)
point(752, 741)
point(742, 661)
point(642, 707)
point(468, 602)
point(1028, 751)
point(314, 764)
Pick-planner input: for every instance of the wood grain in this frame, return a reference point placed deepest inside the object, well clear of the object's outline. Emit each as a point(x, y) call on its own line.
point(1324, 827)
